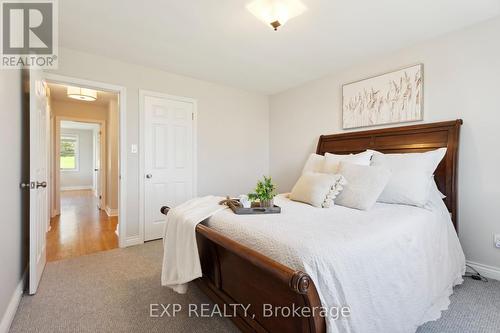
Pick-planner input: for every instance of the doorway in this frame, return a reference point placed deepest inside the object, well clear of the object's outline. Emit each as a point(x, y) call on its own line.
point(44, 160)
point(83, 171)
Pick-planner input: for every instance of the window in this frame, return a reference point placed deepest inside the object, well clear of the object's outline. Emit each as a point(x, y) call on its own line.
point(69, 152)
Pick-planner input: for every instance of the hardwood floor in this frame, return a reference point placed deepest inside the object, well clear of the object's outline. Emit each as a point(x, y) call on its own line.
point(81, 228)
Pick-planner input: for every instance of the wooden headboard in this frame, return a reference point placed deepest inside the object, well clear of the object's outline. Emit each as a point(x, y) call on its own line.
point(407, 139)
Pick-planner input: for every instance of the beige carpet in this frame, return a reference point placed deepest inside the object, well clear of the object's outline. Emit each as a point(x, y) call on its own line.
point(112, 292)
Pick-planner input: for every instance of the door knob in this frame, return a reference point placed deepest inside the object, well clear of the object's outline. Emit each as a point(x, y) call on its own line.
point(41, 184)
point(148, 176)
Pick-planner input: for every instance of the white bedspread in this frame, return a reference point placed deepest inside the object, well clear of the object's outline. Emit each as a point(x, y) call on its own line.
point(394, 266)
point(181, 263)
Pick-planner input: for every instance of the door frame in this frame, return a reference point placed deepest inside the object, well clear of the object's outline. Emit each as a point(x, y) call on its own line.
point(142, 94)
point(123, 240)
point(95, 136)
point(57, 154)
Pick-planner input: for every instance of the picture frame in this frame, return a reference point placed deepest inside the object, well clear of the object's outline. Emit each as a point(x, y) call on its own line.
point(389, 98)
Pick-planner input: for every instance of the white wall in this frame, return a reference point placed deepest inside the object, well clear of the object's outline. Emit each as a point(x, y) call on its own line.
point(83, 178)
point(461, 80)
point(12, 231)
point(233, 132)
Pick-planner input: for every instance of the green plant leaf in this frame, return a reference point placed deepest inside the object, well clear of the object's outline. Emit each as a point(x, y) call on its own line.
point(265, 190)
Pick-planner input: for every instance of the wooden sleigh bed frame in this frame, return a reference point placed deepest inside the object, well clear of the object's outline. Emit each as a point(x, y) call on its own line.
point(236, 274)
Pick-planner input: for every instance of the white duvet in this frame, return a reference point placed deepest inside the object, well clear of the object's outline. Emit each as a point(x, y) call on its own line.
point(394, 266)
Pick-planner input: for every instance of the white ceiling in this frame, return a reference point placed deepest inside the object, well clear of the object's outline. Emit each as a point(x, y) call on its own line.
point(79, 125)
point(58, 92)
point(221, 41)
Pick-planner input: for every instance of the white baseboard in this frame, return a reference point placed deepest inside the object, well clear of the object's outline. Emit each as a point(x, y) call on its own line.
point(76, 188)
point(111, 211)
point(131, 241)
point(11, 310)
point(491, 272)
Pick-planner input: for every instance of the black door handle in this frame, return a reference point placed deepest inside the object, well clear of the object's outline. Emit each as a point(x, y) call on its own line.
point(41, 184)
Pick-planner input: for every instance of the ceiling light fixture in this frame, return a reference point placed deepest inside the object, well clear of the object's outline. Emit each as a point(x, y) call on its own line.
point(82, 94)
point(276, 12)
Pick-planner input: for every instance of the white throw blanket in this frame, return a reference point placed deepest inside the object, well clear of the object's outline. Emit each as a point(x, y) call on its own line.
point(181, 263)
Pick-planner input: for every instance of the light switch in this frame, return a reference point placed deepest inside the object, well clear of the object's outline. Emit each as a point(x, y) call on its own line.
point(133, 149)
point(497, 241)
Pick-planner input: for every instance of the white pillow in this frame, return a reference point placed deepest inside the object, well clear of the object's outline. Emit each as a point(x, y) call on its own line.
point(331, 164)
point(364, 185)
point(314, 163)
point(412, 176)
point(434, 186)
point(317, 189)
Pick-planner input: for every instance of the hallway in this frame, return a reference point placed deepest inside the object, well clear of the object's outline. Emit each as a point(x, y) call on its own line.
point(81, 228)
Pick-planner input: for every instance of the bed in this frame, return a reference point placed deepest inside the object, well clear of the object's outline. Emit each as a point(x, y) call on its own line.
point(235, 270)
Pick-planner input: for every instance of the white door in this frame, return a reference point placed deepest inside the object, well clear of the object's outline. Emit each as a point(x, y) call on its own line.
point(168, 153)
point(39, 142)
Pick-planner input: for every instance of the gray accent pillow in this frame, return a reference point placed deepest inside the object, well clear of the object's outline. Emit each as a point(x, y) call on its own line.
point(364, 185)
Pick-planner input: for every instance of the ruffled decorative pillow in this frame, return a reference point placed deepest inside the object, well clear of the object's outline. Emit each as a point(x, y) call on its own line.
point(335, 190)
point(317, 189)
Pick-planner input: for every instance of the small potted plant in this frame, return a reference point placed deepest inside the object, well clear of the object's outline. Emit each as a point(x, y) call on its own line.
point(264, 192)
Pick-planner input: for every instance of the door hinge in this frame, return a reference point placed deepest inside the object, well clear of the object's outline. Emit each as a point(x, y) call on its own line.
point(192, 116)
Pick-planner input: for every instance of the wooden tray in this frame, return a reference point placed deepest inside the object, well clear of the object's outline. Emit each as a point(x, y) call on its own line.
point(255, 210)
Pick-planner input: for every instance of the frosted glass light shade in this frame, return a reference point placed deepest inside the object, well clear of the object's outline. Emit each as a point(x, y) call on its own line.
point(276, 12)
point(82, 94)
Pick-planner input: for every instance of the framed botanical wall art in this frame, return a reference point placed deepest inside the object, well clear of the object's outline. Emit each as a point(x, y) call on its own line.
point(393, 97)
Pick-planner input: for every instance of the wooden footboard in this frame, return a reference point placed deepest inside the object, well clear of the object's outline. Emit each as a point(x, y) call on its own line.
point(235, 274)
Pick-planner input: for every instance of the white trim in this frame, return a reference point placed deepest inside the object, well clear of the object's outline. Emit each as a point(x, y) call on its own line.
point(134, 240)
point(55, 78)
point(491, 272)
point(11, 310)
point(95, 133)
point(77, 188)
point(122, 188)
point(111, 211)
point(142, 94)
